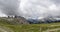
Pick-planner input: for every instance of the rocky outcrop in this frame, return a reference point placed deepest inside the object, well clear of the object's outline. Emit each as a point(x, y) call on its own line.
point(16, 20)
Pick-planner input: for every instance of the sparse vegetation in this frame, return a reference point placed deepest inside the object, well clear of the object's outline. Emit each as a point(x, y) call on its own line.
point(29, 27)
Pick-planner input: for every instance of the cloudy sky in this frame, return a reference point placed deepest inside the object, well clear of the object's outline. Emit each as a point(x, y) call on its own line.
point(30, 8)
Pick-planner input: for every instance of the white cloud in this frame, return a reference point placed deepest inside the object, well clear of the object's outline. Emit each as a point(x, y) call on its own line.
point(2, 15)
point(34, 7)
point(53, 7)
point(42, 8)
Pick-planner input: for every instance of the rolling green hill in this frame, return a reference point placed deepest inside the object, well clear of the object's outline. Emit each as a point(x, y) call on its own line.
point(6, 26)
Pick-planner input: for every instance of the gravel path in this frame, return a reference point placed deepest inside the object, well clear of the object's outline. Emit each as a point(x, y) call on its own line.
point(4, 29)
point(52, 30)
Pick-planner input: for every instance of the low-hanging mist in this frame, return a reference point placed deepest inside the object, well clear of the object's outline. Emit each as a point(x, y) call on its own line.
point(30, 8)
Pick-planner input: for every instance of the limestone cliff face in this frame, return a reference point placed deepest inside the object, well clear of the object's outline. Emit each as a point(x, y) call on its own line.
point(16, 20)
point(21, 20)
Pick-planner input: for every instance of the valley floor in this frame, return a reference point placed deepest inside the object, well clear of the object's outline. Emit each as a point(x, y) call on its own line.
point(52, 27)
point(6, 26)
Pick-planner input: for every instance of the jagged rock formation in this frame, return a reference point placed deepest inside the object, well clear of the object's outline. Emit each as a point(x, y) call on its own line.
point(15, 20)
point(21, 20)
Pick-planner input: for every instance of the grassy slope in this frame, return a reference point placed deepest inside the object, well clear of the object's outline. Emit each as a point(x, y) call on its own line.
point(29, 27)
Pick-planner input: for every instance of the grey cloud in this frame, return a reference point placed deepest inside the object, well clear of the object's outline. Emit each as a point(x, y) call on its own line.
point(57, 2)
point(34, 8)
point(9, 7)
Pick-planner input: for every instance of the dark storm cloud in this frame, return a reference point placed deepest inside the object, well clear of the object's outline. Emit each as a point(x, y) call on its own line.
point(9, 7)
